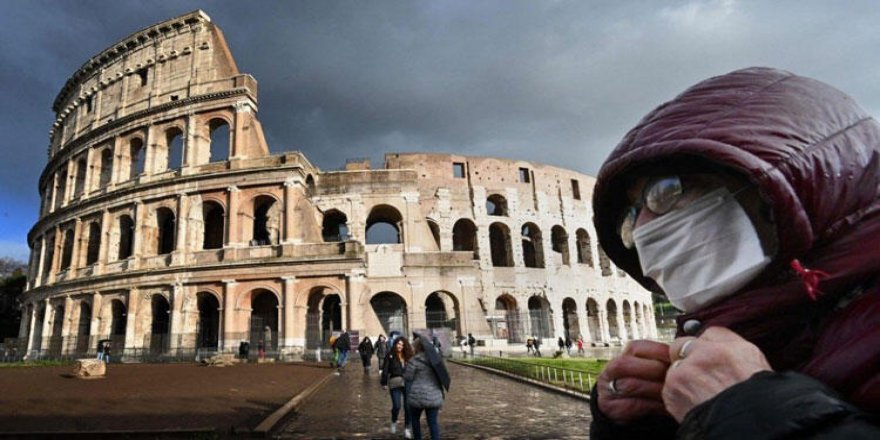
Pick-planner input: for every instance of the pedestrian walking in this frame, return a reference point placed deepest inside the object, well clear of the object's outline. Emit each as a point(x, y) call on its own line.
point(462, 342)
point(365, 349)
point(568, 345)
point(392, 380)
point(381, 349)
point(335, 360)
point(107, 348)
point(561, 345)
point(537, 344)
point(530, 346)
point(343, 345)
point(580, 345)
point(243, 348)
point(472, 341)
point(426, 392)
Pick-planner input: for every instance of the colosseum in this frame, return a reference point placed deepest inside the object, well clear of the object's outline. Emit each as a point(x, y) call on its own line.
point(168, 228)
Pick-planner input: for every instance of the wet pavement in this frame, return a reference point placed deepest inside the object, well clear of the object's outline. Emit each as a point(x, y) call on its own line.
point(479, 405)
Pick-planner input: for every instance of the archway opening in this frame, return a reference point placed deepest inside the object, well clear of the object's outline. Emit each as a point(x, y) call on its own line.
point(593, 319)
point(390, 309)
point(383, 225)
point(212, 215)
point(174, 143)
point(559, 239)
point(264, 319)
point(570, 320)
point(533, 253)
point(323, 317)
point(334, 226)
point(584, 254)
point(540, 317)
point(159, 324)
point(166, 229)
point(435, 311)
point(435, 232)
point(613, 327)
point(464, 237)
point(220, 145)
point(118, 325)
point(126, 237)
point(507, 323)
point(499, 241)
point(208, 327)
point(83, 328)
point(496, 204)
point(56, 341)
point(94, 244)
point(266, 221)
point(136, 150)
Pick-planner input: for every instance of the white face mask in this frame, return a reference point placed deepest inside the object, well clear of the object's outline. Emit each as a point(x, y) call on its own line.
point(701, 253)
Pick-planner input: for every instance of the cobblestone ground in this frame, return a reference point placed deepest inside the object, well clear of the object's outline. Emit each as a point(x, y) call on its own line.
point(480, 405)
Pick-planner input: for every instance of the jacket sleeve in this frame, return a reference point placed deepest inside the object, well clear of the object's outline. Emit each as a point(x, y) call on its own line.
point(778, 405)
point(649, 428)
point(384, 380)
point(410, 372)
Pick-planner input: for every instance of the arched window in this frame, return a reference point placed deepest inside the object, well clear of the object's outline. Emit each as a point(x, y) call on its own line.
point(499, 241)
point(435, 231)
point(67, 253)
point(61, 188)
point(464, 237)
point(94, 243)
point(80, 182)
point(604, 262)
point(220, 144)
point(137, 154)
point(585, 255)
point(212, 215)
point(559, 240)
point(266, 221)
point(334, 226)
point(540, 317)
point(496, 204)
point(50, 254)
point(533, 251)
point(126, 237)
point(166, 226)
point(383, 225)
point(174, 143)
point(106, 167)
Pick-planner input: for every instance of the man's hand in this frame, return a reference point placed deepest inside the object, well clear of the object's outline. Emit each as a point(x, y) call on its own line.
point(637, 376)
point(706, 366)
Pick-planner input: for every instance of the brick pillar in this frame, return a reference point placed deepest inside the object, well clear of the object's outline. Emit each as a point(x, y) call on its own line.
point(234, 234)
point(289, 298)
point(228, 325)
point(131, 331)
point(95, 325)
point(289, 206)
point(177, 315)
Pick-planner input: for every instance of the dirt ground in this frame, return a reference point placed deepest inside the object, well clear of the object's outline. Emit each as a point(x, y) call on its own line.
point(148, 397)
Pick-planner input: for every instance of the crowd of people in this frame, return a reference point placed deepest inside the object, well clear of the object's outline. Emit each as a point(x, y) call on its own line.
point(413, 373)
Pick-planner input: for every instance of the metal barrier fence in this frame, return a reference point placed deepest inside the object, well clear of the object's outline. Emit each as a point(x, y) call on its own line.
point(574, 380)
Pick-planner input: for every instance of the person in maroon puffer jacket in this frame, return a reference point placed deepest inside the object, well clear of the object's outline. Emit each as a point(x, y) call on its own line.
point(752, 201)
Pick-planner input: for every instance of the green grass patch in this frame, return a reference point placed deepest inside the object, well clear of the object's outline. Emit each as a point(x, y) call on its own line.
point(586, 365)
point(576, 373)
point(28, 364)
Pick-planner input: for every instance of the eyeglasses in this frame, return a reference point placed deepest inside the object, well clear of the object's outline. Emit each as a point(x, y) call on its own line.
point(659, 196)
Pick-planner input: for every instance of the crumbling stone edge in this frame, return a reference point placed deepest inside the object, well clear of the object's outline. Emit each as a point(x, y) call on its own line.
point(526, 380)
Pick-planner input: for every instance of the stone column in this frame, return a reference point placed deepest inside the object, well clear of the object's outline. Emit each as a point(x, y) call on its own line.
point(47, 324)
point(89, 185)
point(228, 324)
point(355, 283)
point(35, 308)
point(233, 234)
point(65, 326)
point(56, 255)
point(95, 325)
point(178, 257)
point(191, 148)
point(75, 258)
point(105, 242)
point(136, 245)
point(289, 205)
point(584, 322)
point(288, 340)
point(621, 323)
point(177, 309)
point(242, 113)
point(70, 185)
point(132, 339)
point(605, 334)
point(38, 279)
point(24, 327)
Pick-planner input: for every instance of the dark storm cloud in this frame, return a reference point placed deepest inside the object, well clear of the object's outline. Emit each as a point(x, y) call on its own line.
point(556, 82)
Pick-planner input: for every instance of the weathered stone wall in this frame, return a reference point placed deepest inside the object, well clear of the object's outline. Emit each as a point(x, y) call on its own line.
point(161, 235)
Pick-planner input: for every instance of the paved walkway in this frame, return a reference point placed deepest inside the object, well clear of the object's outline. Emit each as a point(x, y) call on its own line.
point(480, 405)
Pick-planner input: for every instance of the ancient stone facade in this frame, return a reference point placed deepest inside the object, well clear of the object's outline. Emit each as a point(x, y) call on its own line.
point(167, 226)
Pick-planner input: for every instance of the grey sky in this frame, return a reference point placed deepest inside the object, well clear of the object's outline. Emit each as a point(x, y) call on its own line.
point(556, 82)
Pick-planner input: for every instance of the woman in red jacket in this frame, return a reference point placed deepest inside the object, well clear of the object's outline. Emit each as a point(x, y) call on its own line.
point(752, 201)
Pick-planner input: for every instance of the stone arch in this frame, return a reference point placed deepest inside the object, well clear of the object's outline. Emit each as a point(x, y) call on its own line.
point(507, 323)
point(94, 243)
point(584, 253)
point(613, 324)
point(323, 315)
point(79, 183)
point(559, 240)
point(540, 317)
point(532, 246)
point(213, 225)
point(334, 226)
point(263, 326)
point(310, 184)
point(435, 231)
point(442, 311)
point(166, 231)
point(384, 225)
point(106, 168)
point(208, 324)
point(391, 311)
point(219, 139)
point(464, 237)
point(264, 220)
point(61, 187)
point(137, 154)
point(159, 338)
point(124, 245)
point(67, 249)
point(570, 321)
point(593, 319)
point(628, 318)
point(83, 327)
point(174, 146)
point(499, 241)
point(496, 204)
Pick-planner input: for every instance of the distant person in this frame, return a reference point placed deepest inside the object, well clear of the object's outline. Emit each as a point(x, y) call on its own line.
point(365, 350)
point(462, 342)
point(568, 345)
point(580, 345)
point(343, 344)
point(530, 349)
point(334, 362)
point(537, 344)
point(108, 346)
point(381, 349)
point(392, 380)
point(243, 349)
point(261, 350)
point(100, 355)
point(561, 344)
point(472, 342)
point(425, 392)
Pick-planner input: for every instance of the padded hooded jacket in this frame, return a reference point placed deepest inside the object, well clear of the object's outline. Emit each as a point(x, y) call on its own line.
point(814, 156)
